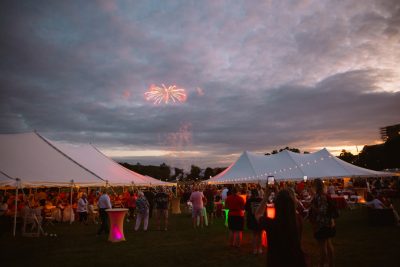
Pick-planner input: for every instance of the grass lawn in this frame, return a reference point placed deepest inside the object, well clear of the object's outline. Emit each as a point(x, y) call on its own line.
point(356, 244)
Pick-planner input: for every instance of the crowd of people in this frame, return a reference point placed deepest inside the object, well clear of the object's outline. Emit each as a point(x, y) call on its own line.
point(245, 205)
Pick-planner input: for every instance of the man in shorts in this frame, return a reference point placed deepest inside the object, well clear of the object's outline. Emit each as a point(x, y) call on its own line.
point(197, 198)
point(161, 200)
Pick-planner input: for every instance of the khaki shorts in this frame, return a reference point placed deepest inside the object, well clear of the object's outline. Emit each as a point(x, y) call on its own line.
point(197, 212)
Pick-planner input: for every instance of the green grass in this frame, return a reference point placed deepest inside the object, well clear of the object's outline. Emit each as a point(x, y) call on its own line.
point(356, 244)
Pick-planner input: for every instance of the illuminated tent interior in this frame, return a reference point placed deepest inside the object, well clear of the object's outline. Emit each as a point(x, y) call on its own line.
point(290, 166)
point(37, 161)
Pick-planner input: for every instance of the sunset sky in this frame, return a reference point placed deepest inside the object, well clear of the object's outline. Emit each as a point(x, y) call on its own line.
point(259, 75)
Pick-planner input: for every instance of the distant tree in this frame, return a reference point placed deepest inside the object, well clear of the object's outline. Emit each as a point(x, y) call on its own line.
point(165, 171)
point(194, 173)
point(295, 150)
point(161, 172)
point(382, 156)
point(218, 170)
point(178, 172)
point(347, 156)
point(371, 157)
point(208, 172)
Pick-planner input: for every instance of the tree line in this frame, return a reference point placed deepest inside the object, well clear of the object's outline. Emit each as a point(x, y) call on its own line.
point(167, 173)
point(374, 157)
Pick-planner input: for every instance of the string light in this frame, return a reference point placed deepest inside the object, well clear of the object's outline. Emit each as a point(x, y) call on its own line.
point(272, 172)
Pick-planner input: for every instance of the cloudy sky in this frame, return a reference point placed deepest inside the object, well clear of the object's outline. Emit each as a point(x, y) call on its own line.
point(259, 75)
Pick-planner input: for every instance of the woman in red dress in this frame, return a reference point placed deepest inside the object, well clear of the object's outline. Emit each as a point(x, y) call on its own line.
point(235, 204)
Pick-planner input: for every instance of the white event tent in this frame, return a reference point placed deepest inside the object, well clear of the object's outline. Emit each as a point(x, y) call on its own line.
point(37, 161)
point(30, 160)
point(290, 166)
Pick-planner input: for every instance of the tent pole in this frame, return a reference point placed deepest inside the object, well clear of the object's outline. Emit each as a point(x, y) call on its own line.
point(16, 206)
point(72, 210)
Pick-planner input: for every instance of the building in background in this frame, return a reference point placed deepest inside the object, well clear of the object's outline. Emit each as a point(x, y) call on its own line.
point(390, 132)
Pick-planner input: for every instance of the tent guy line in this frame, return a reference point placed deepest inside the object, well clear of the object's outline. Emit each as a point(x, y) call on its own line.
point(77, 163)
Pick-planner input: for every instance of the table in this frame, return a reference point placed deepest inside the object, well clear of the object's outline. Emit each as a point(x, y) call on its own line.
point(116, 219)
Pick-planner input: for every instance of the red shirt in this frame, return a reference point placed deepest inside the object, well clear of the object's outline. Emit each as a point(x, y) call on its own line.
point(132, 201)
point(235, 204)
point(300, 187)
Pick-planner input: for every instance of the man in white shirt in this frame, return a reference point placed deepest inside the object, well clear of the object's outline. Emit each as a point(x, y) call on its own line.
point(103, 203)
point(224, 194)
point(197, 198)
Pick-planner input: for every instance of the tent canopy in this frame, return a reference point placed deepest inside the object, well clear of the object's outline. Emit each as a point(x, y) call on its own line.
point(115, 174)
point(287, 165)
point(37, 161)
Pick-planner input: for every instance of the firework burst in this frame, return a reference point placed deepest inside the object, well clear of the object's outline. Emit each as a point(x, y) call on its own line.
point(165, 94)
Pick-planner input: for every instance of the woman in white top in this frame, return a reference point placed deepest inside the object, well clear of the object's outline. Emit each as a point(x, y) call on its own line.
point(82, 208)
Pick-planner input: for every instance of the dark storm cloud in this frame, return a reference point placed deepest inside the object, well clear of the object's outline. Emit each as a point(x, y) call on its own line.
point(270, 73)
